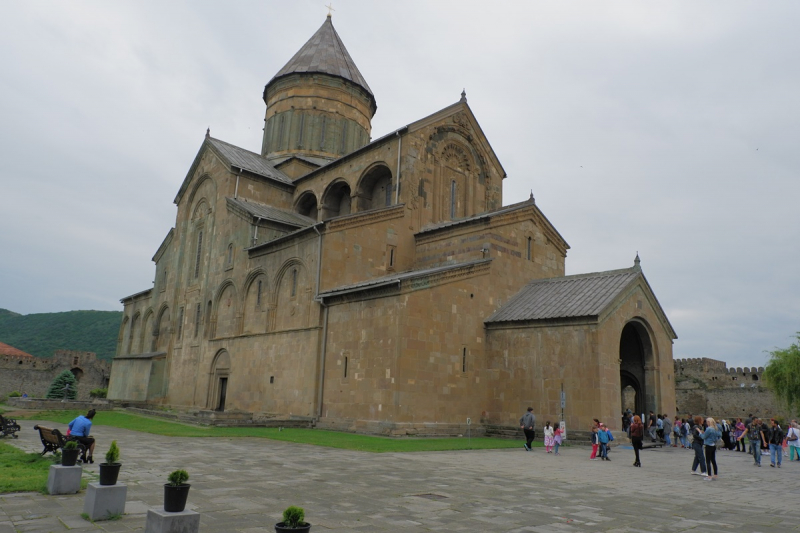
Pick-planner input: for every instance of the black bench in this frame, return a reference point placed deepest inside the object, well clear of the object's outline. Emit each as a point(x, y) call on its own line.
point(8, 426)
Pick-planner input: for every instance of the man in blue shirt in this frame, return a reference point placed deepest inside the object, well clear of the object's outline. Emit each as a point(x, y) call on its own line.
point(80, 428)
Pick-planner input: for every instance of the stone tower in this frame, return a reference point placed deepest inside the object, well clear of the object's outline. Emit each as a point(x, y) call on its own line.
point(318, 104)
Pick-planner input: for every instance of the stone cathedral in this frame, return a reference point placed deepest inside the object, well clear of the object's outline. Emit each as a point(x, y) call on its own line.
point(379, 286)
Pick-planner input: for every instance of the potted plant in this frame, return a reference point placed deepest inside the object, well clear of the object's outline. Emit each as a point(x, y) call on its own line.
point(69, 453)
point(176, 491)
point(293, 520)
point(109, 471)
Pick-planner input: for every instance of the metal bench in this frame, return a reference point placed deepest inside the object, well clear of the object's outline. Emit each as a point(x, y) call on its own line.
point(8, 426)
point(53, 440)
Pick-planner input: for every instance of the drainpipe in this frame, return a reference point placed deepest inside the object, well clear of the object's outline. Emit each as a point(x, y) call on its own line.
point(255, 231)
point(236, 190)
point(397, 180)
point(324, 348)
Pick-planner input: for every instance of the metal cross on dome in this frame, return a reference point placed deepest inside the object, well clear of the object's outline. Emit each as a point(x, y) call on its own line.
point(330, 9)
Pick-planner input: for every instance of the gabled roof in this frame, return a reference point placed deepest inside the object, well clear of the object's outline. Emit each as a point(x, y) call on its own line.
point(5, 349)
point(461, 105)
point(236, 158)
point(577, 296)
point(325, 53)
point(247, 160)
point(268, 212)
point(565, 297)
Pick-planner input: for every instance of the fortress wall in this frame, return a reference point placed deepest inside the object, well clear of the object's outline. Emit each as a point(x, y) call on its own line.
point(33, 375)
point(708, 387)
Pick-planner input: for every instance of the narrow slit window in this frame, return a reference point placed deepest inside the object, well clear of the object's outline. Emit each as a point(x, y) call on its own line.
point(453, 191)
point(464, 360)
point(197, 320)
point(199, 252)
point(530, 249)
point(294, 282)
point(345, 367)
point(258, 293)
point(180, 323)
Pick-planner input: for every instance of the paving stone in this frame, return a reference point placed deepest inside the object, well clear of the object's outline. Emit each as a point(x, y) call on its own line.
point(248, 482)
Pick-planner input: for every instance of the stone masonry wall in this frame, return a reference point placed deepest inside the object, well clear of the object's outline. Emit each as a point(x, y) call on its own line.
point(708, 387)
point(33, 375)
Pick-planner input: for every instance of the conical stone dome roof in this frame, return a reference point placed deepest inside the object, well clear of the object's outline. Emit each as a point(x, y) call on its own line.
point(325, 53)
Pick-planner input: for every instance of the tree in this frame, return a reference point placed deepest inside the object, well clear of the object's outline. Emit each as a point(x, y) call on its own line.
point(782, 374)
point(56, 390)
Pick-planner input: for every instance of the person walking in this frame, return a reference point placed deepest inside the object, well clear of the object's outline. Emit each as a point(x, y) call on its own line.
point(652, 426)
point(549, 437)
point(602, 438)
point(528, 425)
point(793, 438)
point(754, 435)
point(676, 431)
point(710, 437)
point(739, 430)
point(697, 446)
point(637, 434)
point(557, 438)
point(725, 429)
point(595, 443)
point(775, 443)
point(666, 425)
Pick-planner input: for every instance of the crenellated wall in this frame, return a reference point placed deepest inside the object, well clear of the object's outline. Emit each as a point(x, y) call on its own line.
point(708, 387)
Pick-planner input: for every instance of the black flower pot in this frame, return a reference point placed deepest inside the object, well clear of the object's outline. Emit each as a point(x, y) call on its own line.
point(175, 497)
point(304, 527)
point(69, 457)
point(109, 473)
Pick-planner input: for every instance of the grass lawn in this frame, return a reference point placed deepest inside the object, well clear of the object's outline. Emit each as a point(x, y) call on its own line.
point(318, 437)
point(23, 472)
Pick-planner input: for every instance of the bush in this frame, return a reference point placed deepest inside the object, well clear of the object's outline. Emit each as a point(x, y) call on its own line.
point(56, 390)
point(15, 394)
point(178, 477)
point(112, 455)
point(98, 393)
point(293, 516)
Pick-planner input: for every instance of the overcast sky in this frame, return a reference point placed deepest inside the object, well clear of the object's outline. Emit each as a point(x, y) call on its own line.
point(667, 128)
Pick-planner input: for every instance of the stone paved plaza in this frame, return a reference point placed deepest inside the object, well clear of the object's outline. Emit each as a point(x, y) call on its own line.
point(243, 484)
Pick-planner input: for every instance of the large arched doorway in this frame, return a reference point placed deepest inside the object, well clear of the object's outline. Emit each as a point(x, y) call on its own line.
point(637, 383)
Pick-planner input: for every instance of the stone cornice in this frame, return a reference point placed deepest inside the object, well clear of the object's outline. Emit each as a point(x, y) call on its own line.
point(396, 287)
point(365, 217)
point(164, 245)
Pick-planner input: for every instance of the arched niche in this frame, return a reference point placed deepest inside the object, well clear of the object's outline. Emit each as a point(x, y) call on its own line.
point(374, 189)
point(256, 303)
point(336, 200)
point(307, 205)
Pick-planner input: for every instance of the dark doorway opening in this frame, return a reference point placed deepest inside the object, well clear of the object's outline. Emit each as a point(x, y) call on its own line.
point(223, 391)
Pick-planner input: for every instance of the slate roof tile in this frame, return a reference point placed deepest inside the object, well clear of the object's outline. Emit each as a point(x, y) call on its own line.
point(576, 296)
point(324, 52)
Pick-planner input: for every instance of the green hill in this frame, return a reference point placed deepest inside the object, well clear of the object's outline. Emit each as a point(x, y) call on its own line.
point(44, 333)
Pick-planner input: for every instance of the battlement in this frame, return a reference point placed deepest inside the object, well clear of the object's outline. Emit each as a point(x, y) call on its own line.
point(707, 365)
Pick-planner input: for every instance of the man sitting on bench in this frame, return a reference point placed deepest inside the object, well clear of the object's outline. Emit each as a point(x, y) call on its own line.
point(79, 430)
